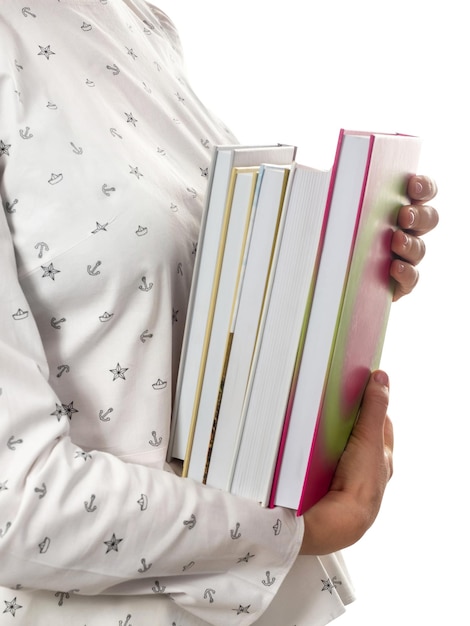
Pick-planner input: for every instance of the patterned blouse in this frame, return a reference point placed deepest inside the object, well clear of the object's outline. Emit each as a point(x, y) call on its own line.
point(104, 157)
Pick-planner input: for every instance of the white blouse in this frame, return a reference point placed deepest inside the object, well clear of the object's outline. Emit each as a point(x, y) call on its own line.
point(104, 156)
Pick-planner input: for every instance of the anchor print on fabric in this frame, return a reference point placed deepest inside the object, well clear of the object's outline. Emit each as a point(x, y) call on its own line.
point(55, 323)
point(27, 12)
point(93, 269)
point(90, 506)
point(145, 286)
point(268, 581)
point(12, 443)
point(104, 415)
point(114, 69)
point(209, 595)
point(42, 247)
point(10, 206)
point(145, 567)
point(107, 190)
point(158, 588)
point(3, 531)
point(235, 533)
point(155, 441)
point(76, 150)
point(64, 595)
point(26, 134)
point(63, 369)
point(191, 522)
point(42, 491)
point(145, 335)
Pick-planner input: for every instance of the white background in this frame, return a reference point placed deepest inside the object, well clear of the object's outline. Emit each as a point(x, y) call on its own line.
point(297, 71)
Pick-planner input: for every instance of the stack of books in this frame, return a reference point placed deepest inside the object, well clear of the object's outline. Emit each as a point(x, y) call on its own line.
point(287, 315)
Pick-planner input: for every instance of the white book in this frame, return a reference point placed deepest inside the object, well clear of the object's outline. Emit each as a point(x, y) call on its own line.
point(336, 253)
point(291, 279)
point(229, 265)
point(269, 197)
point(200, 311)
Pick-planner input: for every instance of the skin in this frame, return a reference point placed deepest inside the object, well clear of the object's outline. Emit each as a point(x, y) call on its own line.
point(350, 507)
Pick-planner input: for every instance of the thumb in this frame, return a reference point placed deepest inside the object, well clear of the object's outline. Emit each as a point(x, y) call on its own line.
point(373, 414)
point(374, 430)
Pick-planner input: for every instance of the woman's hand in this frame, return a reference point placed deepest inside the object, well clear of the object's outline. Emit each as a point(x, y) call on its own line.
point(350, 507)
point(414, 220)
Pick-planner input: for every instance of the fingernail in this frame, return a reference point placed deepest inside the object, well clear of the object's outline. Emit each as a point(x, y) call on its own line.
point(400, 268)
point(381, 378)
point(418, 187)
point(412, 217)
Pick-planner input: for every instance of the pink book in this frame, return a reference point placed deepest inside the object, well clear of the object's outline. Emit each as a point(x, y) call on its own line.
point(347, 320)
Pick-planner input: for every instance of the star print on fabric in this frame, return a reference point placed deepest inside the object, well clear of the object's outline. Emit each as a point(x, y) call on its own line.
point(242, 609)
point(130, 118)
point(45, 51)
point(4, 147)
point(131, 53)
point(118, 372)
point(64, 410)
point(80, 454)
point(49, 271)
point(112, 544)
point(245, 558)
point(135, 171)
point(11, 607)
point(99, 227)
point(3, 486)
point(329, 585)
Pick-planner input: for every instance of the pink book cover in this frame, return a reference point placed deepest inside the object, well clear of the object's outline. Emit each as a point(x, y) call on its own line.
point(365, 310)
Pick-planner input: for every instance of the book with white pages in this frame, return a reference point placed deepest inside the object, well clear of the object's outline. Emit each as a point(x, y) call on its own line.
point(241, 340)
point(229, 266)
point(294, 268)
point(199, 314)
